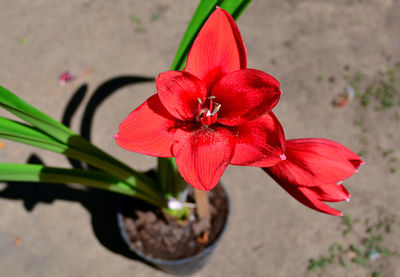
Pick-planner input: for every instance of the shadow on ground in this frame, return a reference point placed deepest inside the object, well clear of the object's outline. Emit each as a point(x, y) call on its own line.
point(102, 205)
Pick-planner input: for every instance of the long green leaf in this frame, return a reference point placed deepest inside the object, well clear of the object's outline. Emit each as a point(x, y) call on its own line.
point(42, 121)
point(39, 173)
point(26, 134)
point(16, 131)
point(45, 123)
point(63, 134)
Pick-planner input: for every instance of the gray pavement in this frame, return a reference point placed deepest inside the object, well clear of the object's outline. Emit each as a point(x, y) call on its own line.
point(270, 233)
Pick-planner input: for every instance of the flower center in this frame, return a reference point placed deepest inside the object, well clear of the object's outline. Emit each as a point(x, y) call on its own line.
point(207, 112)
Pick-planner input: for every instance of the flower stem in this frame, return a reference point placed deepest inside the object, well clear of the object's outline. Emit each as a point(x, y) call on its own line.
point(203, 206)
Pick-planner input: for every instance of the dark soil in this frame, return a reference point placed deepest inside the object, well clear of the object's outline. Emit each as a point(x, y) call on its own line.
point(161, 236)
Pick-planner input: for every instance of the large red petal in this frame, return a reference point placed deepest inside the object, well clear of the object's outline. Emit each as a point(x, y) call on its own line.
point(203, 156)
point(346, 153)
point(218, 49)
point(245, 95)
point(311, 162)
point(179, 92)
point(149, 130)
point(260, 142)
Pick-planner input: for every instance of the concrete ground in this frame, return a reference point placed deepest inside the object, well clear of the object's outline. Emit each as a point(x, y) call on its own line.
point(308, 45)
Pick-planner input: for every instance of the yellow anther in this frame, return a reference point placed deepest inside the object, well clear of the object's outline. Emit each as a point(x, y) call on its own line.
point(216, 109)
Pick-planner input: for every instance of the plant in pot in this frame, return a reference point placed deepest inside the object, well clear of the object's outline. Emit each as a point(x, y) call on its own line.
point(209, 111)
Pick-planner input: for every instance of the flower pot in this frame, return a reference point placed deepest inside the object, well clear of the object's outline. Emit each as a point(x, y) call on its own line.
point(190, 264)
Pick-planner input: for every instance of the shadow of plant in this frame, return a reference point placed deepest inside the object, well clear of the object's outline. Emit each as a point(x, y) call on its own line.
point(103, 217)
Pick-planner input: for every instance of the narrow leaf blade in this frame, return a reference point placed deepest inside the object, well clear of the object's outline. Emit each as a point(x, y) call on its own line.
point(39, 173)
point(42, 121)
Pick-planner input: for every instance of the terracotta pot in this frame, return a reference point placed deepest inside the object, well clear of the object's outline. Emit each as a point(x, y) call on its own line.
point(184, 266)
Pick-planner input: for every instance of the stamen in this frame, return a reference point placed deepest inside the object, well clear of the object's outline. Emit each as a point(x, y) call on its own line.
point(207, 115)
point(216, 109)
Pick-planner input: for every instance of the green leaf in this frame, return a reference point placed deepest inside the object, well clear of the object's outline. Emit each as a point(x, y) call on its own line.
point(46, 124)
point(75, 146)
point(39, 173)
point(26, 134)
point(23, 110)
point(12, 130)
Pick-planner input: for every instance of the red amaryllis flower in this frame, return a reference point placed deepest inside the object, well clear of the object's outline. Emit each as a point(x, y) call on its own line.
point(213, 113)
point(314, 170)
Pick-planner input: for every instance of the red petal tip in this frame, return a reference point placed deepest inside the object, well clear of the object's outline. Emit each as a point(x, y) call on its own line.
point(341, 214)
point(115, 136)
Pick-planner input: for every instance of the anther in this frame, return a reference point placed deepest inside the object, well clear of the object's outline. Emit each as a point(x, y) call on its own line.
point(216, 109)
point(211, 97)
point(198, 99)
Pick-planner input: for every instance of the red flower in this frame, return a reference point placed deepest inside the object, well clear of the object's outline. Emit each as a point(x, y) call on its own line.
point(213, 113)
point(314, 170)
